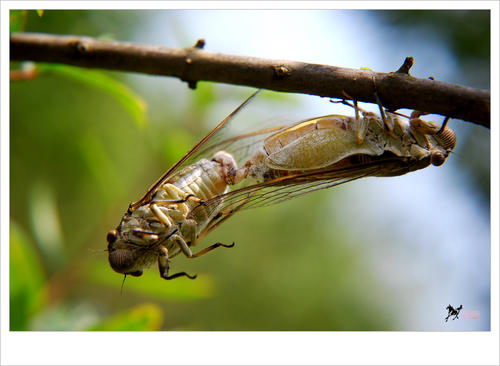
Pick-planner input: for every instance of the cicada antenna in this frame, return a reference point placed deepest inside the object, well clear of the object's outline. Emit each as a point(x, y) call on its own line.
point(94, 251)
point(123, 282)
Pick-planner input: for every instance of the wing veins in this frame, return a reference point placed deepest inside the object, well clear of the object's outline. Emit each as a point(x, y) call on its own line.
point(154, 187)
point(280, 189)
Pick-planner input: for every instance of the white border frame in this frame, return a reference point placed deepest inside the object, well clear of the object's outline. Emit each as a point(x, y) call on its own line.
point(57, 348)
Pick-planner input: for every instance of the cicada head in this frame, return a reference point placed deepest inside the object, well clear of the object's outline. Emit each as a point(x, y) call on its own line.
point(445, 140)
point(131, 246)
point(438, 158)
point(440, 141)
point(123, 258)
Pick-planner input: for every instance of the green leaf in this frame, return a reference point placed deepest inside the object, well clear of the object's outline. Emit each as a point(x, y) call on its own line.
point(17, 20)
point(204, 96)
point(66, 315)
point(142, 317)
point(27, 279)
point(100, 166)
point(179, 141)
point(277, 97)
point(40, 12)
point(46, 225)
point(132, 103)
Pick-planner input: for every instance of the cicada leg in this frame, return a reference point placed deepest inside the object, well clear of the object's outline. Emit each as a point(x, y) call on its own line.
point(210, 248)
point(214, 223)
point(388, 126)
point(164, 219)
point(361, 125)
point(164, 268)
point(179, 198)
point(191, 229)
point(217, 220)
point(181, 243)
point(187, 251)
point(422, 128)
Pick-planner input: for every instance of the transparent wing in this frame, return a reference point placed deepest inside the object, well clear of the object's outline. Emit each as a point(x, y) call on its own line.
point(241, 146)
point(294, 185)
point(214, 140)
point(234, 137)
point(229, 135)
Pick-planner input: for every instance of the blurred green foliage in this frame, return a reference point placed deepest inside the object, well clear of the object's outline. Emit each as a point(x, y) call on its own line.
point(81, 150)
point(17, 20)
point(129, 101)
point(27, 279)
point(142, 317)
point(467, 32)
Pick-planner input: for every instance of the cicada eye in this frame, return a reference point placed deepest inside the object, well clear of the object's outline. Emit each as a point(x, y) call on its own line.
point(447, 138)
point(121, 260)
point(438, 158)
point(112, 236)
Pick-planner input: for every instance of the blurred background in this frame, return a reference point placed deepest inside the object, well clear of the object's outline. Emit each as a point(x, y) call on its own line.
point(376, 254)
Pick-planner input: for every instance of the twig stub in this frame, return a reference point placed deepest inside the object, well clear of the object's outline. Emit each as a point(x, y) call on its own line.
point(405, 68)
point(200, 43)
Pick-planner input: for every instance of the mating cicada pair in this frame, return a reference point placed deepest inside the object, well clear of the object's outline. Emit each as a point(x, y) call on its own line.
point(199, 193)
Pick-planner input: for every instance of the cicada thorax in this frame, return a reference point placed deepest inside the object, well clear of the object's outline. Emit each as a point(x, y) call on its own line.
point(167, 221)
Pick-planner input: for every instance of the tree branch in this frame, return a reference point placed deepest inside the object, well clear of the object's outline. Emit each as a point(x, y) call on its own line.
point(396, 90)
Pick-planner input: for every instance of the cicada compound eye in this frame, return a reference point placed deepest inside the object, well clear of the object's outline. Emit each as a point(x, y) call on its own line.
point(447, 138)
point(121, 260)
point(438, 159)
point(112, 236)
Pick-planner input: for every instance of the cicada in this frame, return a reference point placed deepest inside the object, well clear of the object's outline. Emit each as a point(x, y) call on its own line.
point(206, 186)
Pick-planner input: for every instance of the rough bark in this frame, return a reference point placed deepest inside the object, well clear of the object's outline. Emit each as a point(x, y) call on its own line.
point(192, 64)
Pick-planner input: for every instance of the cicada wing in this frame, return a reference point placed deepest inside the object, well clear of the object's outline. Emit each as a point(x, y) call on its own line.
point(204, 146)
point(262, 120)
point(281, 189)
point(284, 188)
point(241, 146)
